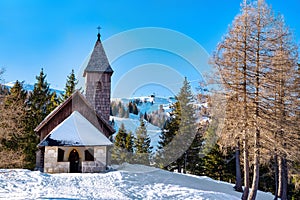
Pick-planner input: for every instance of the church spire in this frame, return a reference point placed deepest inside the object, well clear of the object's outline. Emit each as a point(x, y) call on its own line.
point(98, 61)
point(97, 75)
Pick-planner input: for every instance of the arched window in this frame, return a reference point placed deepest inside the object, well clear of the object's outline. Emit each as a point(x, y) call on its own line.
point(99, 86)
point(60, 155)
point(89, 154)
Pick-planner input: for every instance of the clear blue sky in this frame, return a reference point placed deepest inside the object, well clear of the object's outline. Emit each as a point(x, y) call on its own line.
point(58, 35)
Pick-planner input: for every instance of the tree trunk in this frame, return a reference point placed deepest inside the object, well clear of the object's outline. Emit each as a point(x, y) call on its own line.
point(276, 175)
point(246, 168)
point(280, 173)
point(238, 177)
point(256, 168)
point(283, 179)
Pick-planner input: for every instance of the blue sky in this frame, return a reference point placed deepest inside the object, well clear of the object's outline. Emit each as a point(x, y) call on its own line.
point(58, 35)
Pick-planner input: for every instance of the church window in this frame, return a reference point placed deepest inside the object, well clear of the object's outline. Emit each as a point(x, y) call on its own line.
point(60, 155)
point(89, 154)
point(99, 86)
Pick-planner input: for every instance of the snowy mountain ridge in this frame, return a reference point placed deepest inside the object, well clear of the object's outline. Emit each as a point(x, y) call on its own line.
point(122, 182)
point(30, 87)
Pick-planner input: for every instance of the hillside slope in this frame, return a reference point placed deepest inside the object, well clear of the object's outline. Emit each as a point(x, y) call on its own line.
point(125, 182)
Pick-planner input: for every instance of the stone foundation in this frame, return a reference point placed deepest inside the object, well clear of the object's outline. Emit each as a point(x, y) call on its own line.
point(52, 166)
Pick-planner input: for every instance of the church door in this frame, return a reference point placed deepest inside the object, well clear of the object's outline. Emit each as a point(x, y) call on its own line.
point(74, 161)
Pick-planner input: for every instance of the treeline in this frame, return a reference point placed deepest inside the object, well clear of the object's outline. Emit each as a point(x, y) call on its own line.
point(157, 118)
point(132, 149)
point(20, 113)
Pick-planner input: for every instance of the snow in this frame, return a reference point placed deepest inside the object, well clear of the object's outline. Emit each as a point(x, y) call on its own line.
point(124, 182)
point(75, 130)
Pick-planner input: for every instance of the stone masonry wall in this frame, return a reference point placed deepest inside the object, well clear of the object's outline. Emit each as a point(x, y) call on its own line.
point(99, 164)
point(50, 162)
point(97, 92)
point(52, 166)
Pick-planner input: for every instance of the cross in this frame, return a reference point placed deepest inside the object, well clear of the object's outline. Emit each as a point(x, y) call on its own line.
point(99, 29)
point(98, 35)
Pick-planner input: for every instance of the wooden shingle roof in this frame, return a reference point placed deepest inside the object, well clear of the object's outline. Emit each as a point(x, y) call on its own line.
point(98, 61)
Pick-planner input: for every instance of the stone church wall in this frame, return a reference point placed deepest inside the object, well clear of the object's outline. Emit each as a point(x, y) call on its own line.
point(50, 162)
point(99, 164)
point(52, 166)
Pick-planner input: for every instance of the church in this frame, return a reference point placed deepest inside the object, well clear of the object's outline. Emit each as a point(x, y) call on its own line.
point(74, 136)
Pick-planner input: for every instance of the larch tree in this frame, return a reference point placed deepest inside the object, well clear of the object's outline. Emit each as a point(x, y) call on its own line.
point(2, 70)
point(12, 131)
point(231, 60)
point(246, 59)
point(282, 97)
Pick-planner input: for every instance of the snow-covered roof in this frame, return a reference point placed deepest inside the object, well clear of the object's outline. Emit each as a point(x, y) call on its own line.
point(75, 130)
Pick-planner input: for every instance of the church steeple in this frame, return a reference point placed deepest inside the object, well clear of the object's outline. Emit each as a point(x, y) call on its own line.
point(98, 61)
point(97, 75)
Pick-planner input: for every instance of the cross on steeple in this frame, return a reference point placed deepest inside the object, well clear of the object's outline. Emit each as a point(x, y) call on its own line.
point(98, 35)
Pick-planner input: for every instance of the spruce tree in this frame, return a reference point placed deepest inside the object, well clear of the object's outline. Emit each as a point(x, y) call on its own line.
point(129, 144)
point(135, 110)
point(120, 140)
point(54, 102)
point(142, 145)
point(17, 94)
point(179, 133)
point(70, 85)
point(38, 108)
point(130, 107)
point(119, 153)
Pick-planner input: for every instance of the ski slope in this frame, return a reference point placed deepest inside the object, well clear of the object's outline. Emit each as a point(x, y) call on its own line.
point(124, 182)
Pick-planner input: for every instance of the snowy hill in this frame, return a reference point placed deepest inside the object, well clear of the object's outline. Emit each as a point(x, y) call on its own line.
point(126, 182)
point(149, 103)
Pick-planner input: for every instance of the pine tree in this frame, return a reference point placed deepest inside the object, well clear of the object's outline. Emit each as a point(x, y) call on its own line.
point(38, 108)
point(177, 138)
point(120, 140)
point(130, 107)
point(119, 152)
point(135, 110)
point(54, 102)
point(142, 145)
point(129, 144)
point(17, 94)
point(70, 85)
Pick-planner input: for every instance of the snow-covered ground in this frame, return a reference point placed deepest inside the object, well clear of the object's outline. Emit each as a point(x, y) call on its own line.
point(125, 182)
